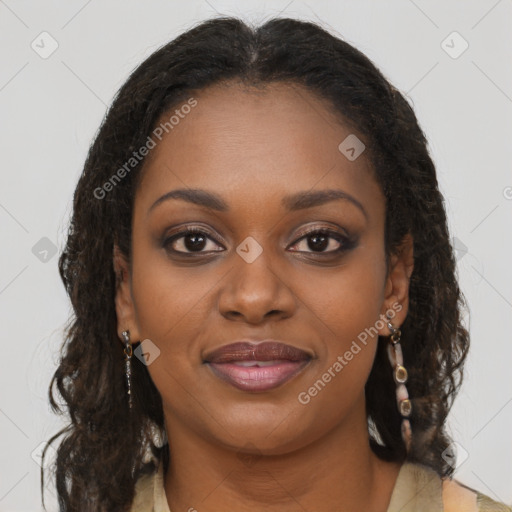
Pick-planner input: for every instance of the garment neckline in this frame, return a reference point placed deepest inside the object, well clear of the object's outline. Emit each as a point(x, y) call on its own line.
point(415, 484)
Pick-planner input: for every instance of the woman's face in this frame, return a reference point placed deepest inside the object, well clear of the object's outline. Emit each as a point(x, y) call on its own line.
point(252, 274)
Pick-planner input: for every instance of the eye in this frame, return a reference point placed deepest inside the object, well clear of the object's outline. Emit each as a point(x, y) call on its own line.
point(324, 241)
point(190, 240)
point(318, 240)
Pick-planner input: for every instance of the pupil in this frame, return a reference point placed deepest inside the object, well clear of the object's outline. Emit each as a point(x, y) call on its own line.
point(196, 244)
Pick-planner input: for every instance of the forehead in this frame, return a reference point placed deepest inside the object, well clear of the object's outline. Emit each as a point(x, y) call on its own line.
point(252, 143)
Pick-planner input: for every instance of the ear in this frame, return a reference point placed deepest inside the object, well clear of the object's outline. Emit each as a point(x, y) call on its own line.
point(125, 310)
point(396, 292)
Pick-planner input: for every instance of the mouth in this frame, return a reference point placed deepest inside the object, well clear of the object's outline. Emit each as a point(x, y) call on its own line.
point(257, 367)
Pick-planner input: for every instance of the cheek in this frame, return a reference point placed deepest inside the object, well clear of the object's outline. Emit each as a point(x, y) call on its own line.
point(172, 305)
point(347, 301)
point(346, 307)
point(166, 295)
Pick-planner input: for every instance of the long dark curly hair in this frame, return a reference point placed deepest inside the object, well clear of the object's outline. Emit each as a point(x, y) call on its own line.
point(104, 448)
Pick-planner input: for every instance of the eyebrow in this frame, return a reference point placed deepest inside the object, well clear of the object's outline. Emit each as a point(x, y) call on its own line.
point(292, 202)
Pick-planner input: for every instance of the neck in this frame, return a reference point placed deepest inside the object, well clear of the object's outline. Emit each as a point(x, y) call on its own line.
point(337, 472)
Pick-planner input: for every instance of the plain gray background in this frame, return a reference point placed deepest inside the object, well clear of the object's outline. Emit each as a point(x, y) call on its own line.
point(51, 107)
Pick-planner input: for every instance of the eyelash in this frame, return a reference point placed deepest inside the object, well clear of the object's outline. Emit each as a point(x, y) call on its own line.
point(346, 242)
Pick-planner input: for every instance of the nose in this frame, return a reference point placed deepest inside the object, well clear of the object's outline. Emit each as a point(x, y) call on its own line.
point(255, 292)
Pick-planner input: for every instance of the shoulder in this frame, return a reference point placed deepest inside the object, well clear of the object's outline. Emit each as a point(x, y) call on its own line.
point(420, 489)
point(143, 500)
point(150, 493)
point(458, 497)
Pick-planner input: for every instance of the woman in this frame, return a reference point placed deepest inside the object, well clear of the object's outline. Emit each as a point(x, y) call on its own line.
point(266, 310)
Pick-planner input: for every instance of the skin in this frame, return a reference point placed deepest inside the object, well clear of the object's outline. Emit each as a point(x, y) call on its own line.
point(236, 450)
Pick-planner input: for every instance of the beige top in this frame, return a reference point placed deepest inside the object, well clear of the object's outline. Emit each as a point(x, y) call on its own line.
point(417, 489)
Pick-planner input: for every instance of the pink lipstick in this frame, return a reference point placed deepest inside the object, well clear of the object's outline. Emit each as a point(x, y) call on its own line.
point(257, 367)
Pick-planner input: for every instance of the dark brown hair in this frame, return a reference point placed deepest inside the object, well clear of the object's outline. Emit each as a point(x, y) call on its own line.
point(101, 453)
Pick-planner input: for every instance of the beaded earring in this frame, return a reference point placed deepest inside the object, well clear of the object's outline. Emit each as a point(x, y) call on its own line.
point(400, 376)
point(128, 352)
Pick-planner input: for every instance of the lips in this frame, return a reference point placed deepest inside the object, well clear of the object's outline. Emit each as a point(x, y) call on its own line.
point(262, 351)
point(257, 367)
